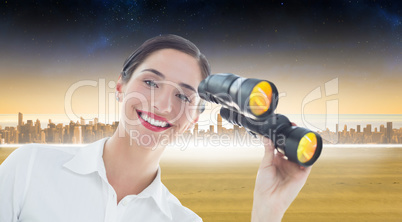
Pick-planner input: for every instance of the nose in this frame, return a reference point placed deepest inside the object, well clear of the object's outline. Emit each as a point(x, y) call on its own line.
point(163, 101)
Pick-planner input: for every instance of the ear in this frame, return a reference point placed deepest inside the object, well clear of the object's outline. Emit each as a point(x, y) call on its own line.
point(119, 85)
point(119, 89)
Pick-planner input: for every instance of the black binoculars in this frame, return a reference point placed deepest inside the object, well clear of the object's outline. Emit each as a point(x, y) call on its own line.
point(250, 103)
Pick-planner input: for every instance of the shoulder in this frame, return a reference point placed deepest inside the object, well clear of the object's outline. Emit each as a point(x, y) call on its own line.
point(19, 156)
point(180, 212)
point(32, 152)
point(28, 149)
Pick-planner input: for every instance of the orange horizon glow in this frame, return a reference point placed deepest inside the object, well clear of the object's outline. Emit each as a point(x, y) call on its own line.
point(35, 89)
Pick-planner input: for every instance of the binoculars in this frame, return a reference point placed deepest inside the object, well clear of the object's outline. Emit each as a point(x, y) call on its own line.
point(250, 103)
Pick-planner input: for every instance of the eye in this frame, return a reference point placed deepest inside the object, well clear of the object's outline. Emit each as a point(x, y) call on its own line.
point(151, 83)
point(184, 98)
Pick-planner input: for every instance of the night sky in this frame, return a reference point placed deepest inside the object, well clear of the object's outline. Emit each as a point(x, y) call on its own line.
point(299, 45)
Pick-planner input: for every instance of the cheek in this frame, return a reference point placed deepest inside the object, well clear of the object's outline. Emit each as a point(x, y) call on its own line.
point(136, 96)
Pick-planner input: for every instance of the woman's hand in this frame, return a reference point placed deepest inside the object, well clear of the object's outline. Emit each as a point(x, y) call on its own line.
point(277, 185)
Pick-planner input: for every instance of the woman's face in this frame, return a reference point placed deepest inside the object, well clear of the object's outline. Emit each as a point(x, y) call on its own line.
point(160, 100)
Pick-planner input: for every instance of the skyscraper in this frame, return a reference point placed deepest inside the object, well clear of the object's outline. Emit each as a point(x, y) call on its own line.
point(78, 134)
point(382, 128)
point(20, 122)
point(368, 128)
point(219, 120)
point(211, 129)
point(37, 126)
point(389, 131)
point(42, 137)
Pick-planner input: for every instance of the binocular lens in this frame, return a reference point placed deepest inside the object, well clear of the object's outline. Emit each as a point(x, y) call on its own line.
point(260, 98)
point(307, 147)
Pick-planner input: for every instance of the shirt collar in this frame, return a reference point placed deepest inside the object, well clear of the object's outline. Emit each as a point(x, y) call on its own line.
point(89, 159)
point(157, 192)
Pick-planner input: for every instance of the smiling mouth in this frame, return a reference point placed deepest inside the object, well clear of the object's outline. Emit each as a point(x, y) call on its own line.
point(152, 122)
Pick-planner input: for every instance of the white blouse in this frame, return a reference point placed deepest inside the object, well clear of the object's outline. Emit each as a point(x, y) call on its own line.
point(44, 183)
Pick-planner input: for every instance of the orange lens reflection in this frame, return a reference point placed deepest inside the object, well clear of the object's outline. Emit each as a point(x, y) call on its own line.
point(260, 98)
point(307, 147)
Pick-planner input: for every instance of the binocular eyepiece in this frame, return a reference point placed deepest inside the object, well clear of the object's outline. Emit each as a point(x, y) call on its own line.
point(250, 103)
point(254, 98)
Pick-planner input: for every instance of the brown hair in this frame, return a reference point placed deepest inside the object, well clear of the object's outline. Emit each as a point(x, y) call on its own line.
point(165, 42)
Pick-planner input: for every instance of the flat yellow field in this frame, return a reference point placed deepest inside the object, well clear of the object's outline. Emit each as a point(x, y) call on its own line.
point(346, 184)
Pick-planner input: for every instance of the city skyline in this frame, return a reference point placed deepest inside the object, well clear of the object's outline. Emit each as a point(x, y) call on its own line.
point(80, 132)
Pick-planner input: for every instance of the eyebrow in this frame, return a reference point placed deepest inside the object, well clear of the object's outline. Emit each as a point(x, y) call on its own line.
point(156, 72)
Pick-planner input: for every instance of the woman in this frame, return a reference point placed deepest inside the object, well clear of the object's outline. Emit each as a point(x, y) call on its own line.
point(118, 178)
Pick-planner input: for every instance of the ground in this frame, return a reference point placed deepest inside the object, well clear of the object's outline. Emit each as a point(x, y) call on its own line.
point(346, 184)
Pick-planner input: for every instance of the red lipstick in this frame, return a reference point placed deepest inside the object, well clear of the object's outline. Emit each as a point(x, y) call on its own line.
point(155, 117)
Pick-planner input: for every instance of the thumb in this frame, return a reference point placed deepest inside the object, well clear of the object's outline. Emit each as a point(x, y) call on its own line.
point(269, 154)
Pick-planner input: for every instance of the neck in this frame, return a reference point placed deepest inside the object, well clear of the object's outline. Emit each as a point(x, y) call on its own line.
point(130, 162)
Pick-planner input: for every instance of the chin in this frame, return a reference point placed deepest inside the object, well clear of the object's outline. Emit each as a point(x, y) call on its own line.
point(149, 141)
point(143, 137)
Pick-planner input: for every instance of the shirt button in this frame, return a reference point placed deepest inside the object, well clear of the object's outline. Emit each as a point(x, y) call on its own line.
point(125, 202)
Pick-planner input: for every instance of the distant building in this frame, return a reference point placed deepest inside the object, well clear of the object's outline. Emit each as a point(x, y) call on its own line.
point(211, 129)
point(77, 135)
point(42, 137)
point(20, 119)
point(382, 128)
point(78, 132)
point(389, 132)
point(219, 123)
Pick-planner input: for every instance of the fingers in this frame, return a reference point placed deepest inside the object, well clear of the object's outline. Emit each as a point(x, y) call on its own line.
point(268, 144)
point(269, 154)
point(306, 169)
